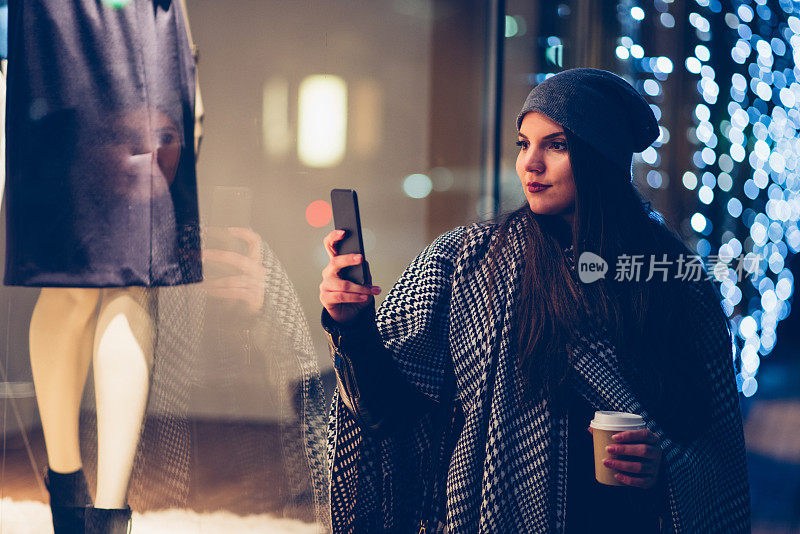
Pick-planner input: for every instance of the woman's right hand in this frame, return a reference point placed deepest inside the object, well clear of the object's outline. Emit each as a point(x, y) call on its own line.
point(343, 299)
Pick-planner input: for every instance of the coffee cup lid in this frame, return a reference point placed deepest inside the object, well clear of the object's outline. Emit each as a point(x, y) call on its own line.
point(605, 420)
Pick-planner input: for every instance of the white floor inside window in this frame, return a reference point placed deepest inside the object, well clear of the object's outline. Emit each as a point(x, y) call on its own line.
point(30, 517)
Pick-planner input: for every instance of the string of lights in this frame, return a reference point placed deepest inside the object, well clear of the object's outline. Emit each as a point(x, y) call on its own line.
point(763, 125)
point(746, 161)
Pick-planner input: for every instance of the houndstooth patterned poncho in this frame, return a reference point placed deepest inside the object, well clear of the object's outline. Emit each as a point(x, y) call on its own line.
point(508, 469)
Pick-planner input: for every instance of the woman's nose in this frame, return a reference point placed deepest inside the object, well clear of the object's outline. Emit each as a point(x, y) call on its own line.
point(534, 161)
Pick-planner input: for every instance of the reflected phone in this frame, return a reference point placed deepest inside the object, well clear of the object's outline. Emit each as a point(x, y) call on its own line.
point(230, 207)
point(346, 217)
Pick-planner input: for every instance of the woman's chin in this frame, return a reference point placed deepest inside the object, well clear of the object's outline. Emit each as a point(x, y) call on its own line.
point(539, 209)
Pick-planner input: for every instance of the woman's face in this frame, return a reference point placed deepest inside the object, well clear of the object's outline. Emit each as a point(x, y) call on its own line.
point(142, 154)
point(544, 159)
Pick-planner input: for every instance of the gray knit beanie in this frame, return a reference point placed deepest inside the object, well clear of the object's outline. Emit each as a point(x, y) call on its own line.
point(599, 107)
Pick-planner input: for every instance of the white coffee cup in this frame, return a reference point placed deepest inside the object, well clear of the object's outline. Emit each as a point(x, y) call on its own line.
point(604, 425)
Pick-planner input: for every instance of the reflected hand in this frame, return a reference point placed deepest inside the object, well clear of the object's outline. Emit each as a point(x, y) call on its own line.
point(342, 299)
point(637, 455)
point(246, 285)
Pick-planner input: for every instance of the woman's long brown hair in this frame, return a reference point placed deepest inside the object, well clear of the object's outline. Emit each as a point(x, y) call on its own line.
point(642, 319)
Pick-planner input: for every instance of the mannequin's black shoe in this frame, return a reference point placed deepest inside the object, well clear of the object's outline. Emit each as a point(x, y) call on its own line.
point(69, 497)
point(108, 520)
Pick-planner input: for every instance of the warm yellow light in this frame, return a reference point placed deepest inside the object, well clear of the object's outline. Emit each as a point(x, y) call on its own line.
point(322, 128)
point(367, 117)
point(275, 117)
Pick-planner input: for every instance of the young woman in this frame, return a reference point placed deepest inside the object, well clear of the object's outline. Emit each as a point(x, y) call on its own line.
point(463, 404)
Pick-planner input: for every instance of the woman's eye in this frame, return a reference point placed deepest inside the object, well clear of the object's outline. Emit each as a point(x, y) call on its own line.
point(557, 145)
point(166, 138)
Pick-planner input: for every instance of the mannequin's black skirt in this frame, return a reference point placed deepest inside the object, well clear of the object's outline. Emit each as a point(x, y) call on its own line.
point(101, 188)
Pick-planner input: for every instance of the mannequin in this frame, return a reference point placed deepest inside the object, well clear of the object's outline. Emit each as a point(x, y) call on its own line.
point(112, 329)
point(102, 211)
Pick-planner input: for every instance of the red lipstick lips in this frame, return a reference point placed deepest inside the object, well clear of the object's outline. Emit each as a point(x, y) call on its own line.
point(535, 187)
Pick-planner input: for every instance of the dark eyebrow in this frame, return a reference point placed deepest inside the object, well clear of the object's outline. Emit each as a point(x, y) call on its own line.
point(549, 136)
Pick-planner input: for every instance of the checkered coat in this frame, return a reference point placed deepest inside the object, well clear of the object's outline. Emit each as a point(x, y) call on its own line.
point(507, 472)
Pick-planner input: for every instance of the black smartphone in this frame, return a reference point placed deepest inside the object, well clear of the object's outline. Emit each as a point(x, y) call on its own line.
point(346, 217)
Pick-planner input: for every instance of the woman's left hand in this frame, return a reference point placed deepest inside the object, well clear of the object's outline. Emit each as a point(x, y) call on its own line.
point(637, 455)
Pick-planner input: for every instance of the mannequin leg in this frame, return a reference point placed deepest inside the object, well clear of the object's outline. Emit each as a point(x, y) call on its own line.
point(61, 332)
point(123, 358)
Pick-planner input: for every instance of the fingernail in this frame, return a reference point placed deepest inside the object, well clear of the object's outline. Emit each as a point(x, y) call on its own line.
point(611, 448)
point(616, 437)
point(607, 462)
point(357, 257)
point(375, 290)
point(339, 232)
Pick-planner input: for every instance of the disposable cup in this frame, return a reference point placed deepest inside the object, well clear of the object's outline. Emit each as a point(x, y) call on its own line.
point(604, 425)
